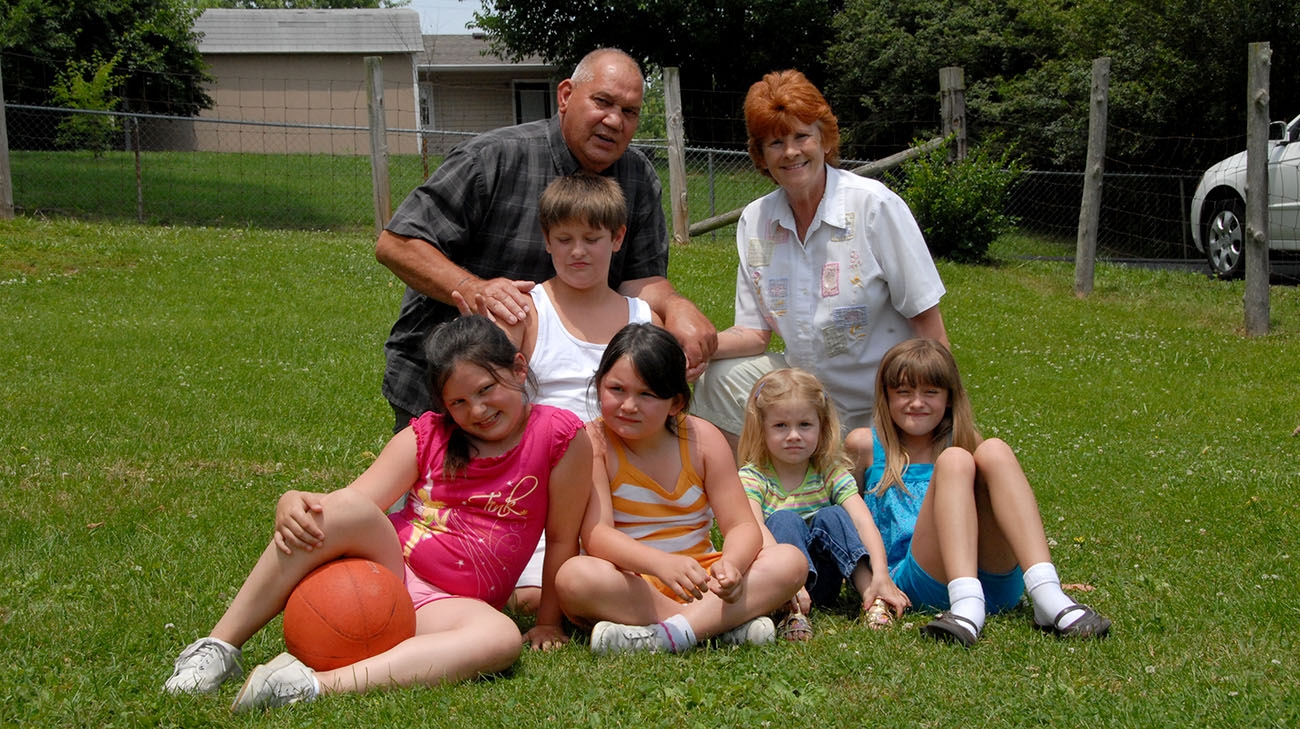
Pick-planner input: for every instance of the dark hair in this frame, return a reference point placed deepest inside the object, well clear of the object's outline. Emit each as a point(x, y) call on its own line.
point(589, 198)
point(657, 358)
point(471, 340)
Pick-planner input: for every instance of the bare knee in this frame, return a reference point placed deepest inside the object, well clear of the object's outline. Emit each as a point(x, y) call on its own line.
point(993, 453)
point(501, 643)
point(785, 564)
point(348, 504)
point(575, 580)
point(954, 466)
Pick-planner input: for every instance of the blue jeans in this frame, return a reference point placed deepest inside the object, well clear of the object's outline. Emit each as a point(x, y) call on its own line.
point(828, 541)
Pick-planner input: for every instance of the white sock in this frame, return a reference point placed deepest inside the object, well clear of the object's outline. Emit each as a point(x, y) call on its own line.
point(681, 636)
point(1044, 588)
point(966, 598)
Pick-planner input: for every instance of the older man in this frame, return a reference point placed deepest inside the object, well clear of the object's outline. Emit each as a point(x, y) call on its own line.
point(472, 226)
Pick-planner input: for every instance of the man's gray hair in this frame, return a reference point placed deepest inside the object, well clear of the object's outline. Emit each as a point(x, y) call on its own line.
point(586, 69)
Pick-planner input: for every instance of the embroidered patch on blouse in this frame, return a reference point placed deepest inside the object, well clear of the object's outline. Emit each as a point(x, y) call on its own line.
point(758, 252)
point(830, 279)
point(848, 229)
point(835, 340)
point(847, 317)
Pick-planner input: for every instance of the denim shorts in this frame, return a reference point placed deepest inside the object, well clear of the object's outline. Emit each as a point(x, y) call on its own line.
point(1001, 591)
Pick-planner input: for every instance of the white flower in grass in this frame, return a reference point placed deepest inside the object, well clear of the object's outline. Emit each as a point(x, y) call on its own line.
point(1151, 669)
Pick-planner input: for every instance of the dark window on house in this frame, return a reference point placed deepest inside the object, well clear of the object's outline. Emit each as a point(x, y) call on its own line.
point(533, 101)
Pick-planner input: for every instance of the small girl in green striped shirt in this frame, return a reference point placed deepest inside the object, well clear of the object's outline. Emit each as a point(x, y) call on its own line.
point(800, 488)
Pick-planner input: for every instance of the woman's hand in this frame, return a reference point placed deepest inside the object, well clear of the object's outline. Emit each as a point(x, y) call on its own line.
point(884, 588)
point(684, 576)
point(297, 521)
point(726, 581)
point(544, 637)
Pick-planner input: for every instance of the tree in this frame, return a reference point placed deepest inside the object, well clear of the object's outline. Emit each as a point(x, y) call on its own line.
point(721, 46)
point(87, 85)
point(1178, 70)
point(159, 58)
point(298, 4)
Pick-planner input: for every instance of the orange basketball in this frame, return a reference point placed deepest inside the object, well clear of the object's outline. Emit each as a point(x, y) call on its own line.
point(344, 611)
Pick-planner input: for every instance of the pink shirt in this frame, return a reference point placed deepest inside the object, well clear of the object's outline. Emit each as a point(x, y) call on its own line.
point(471, 535)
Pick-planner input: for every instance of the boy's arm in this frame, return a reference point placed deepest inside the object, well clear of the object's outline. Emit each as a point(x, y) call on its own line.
point(697, 335)
point(570, 480)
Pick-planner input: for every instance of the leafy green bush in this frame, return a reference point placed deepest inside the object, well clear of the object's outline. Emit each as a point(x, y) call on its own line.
point(960, 205)
point(88, 84)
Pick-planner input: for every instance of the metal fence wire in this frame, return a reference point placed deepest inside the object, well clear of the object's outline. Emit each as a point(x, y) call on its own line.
point(220, 172)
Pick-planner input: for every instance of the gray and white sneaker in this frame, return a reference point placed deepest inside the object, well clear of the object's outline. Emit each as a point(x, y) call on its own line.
point(203, 666)
point(607, 638)
point(284, 680)
point(759, 631)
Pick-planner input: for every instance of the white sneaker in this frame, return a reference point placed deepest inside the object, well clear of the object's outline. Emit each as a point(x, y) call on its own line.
point(203, 666)
point(759, 631)
point(284, 680)
point(607, 638)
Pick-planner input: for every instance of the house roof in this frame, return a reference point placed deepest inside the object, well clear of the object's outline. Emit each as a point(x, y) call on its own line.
point(467, 53)
point(392, 30)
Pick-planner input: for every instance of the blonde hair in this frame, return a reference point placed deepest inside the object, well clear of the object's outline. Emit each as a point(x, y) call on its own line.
point(780, 386)
point(916, 363)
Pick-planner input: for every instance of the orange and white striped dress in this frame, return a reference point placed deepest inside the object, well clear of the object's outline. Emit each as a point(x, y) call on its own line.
point(676, 521)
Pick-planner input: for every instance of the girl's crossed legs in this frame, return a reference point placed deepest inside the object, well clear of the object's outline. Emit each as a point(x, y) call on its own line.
point(592, 589)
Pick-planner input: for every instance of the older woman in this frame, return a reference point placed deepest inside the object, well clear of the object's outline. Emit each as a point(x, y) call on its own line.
point(833, 262)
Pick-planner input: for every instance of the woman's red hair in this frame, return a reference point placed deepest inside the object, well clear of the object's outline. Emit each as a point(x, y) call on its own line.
point(774, 104)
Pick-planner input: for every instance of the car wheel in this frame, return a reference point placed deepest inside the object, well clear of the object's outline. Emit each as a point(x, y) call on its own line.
point(1225, 235)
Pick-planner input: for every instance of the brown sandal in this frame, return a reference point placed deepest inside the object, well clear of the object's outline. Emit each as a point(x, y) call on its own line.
point(878, 617)
point(795, 627)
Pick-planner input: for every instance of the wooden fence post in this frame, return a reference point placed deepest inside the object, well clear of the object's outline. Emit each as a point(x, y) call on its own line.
point(6, 183)
point(1085, 252)
point(378, 141)
point(676, 154)
point(1256, 243)
point(952, 102)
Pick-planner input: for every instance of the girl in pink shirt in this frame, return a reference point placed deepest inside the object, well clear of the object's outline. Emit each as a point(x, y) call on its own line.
point(483, 474)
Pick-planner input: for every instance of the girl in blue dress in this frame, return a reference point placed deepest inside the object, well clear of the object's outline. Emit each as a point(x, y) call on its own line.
point(959, 519)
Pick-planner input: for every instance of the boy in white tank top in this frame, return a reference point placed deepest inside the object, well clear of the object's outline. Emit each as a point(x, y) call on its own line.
point(574, 314)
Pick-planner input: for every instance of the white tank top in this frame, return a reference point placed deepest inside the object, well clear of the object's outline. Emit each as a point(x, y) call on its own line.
point(563, 365)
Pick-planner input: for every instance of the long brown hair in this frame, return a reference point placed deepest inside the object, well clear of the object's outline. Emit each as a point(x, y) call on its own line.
point(800, 386)
point(473, 340)
point(918, 363)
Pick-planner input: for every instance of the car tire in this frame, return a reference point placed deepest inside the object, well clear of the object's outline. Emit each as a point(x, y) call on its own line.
point(1225, 237)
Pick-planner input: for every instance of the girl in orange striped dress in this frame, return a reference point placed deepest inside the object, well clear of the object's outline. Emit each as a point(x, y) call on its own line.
point(651, 580)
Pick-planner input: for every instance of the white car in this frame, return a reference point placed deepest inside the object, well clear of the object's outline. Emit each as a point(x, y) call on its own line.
point(1218, 215)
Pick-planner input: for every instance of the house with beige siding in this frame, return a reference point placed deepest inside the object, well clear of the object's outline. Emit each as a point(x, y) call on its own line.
point(280, 75)
point(464, 88)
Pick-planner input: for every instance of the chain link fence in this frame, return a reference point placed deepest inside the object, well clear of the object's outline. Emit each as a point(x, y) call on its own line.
point(317, 176)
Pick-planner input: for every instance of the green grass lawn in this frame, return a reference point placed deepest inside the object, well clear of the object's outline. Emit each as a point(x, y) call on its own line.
point(161, 386)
